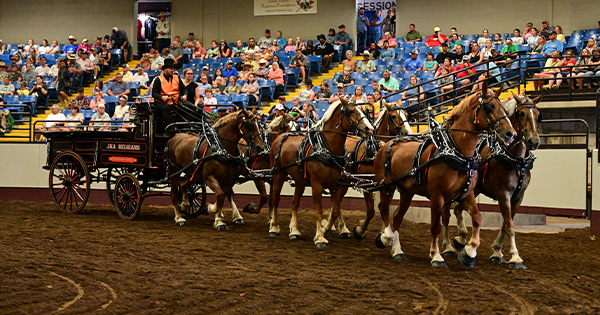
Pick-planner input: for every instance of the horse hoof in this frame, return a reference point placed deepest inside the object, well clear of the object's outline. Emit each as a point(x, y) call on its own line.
point(345, 236)
point(222, 228)
point(465, 260)
point(438, 264)
point(239, 222)
point(181, 223)
point(322, 245)
point(457, 245)
point(400, 257)
point(517, 266)
point(273, 234)
point(449, 253)
point(294, 237)
point(497, 260)
point(378, 242)
point(357, 236)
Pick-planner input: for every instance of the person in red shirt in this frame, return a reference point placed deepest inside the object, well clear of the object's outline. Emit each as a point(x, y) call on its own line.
point(437, 39)
point(464, 75)
point(567, 70)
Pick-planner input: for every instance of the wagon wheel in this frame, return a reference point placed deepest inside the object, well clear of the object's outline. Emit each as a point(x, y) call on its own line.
point(128, 196)
point(69, 182)
point(197, 199)
point(113, 173)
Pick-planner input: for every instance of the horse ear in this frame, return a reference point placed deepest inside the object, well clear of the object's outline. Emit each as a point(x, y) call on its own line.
point(484, 88)
point(498, 91)
point(386, 104)
point(537, 99)
point(516, 97)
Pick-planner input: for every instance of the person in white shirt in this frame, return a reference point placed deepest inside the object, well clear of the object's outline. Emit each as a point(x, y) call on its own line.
point(54, 49)
point(122, 109)
point(517, 39)
point(157, 61)
point(141, 77)
point(43, 69)
point(163, 28)
point(44, 48)
point(53, 122)
point(54, 69)
point(96, 119)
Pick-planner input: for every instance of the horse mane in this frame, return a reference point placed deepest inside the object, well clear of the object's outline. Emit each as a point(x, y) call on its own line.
point(319, 125)
point(277, 122)
point(380, 118)
point(226, 120)
point(510, 105)
point(459, 109)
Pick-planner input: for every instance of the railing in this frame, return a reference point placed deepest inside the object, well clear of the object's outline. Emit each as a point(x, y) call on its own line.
point(113, 125)
point(25, 112)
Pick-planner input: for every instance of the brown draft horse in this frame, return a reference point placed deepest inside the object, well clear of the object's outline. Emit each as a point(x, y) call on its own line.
point(321, 171)
point(259, 160)
point(441, 182)
point(218, 172)
point(505, 178)
point(392, 121)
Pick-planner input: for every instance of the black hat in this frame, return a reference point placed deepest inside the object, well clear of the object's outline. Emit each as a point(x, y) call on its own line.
point(267, 31)
point(320, 35)
point(342, 26)
point(169, 63)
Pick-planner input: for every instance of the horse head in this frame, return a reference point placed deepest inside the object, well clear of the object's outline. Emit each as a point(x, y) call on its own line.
point(353, 119)
point(250, 130)
point(490, 114)
point(397, 119)
point(526, 117)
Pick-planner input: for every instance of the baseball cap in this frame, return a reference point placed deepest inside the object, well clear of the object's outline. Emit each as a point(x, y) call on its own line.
point(267, 31)
point(282, 98)
point(342, 26)
point(386, 71)
point(80, 90)
point(279, 107)
point(553, 32)
point(414, 51)
point(320, 35)
point(229, 62)
point(115, 29)
point(465, 57)
point(544, 21)
point(205, 67)
point(340, 85)
point(436, 29)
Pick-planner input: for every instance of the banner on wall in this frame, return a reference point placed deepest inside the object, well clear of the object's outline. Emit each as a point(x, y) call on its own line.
point(372, 5)
point(284, 7)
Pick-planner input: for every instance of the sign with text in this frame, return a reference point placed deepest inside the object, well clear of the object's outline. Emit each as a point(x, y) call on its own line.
point(284, 7)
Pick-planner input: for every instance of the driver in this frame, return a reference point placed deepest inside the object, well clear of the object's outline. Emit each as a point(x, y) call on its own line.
point(168, 90)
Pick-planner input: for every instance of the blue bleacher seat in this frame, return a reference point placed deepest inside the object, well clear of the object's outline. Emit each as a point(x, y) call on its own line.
point(223, 98)
point(315, 64)
point(11, 99)
point(241, 100)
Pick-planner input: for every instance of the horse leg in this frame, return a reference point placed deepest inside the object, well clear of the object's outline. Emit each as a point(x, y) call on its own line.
point(437, 202)
point(236, 217)
point(461, 238)
point(185, 202)
point(515, 261)
point(383, 199)
point(219, 223)
point(262, 190)
point(360, 231)
point(448, 249)
point(175, 189)
point(403, 205)
point(335, 215)
point(278, 179)
point(466, 256)
point(298, 192)
point(317, 192)
point(503, 202)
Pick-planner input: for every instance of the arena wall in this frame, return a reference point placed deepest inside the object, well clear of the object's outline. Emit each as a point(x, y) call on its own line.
point(558, 183)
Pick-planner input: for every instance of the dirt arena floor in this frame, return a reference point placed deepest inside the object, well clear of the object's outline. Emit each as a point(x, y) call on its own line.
point(95, 262)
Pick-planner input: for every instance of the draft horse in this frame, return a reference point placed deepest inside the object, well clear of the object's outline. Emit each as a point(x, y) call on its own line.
point(441, 168)
point(318, 159)
point(215, 160)
point(504, 175)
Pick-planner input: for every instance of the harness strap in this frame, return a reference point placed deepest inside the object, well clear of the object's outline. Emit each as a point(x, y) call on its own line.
point(199, 164)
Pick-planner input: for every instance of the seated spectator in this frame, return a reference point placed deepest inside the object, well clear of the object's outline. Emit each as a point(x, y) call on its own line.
point(105, 58)
point(238, 49)
point(40, 90)
point(359, 97)
point(341, 93)
point(345, 78)
point(100, 120)
point(157, 60)
point(15, 74)
point(23, 89)
point(262, 71)
point(532, 39)
point(517, 39)
point(498, 39)
point(97, 44)
point(278, 61)
point(454, 42)
point(253, 63)
point(191, 41)
point(568, 64)
point(108, 42)
point(486, 36)
point(203, 85)
point(44, 48)
point(486, 50)
point(435, 40)
point(218, 85)
point(43, 69)
point(85, 46)
point(413, 93)
point(583, 68)
point(239, 66)
point(458, 55)
point(365, 65)
point(553, 44)
point(29, 73)
point(54, 49)
point(33, 58)
point(72, 47)
point(20, 54)
point(309, 113)
point(387, 53)
point(276, 74)
point(309, 49)
point(325, 50)
point(233, 87)
point(549, 73)
point(213, 51)
point(53, 122)
point(7, 88)
point(387, 83)
point(475, 55)
point(430, 64)
point(278, 110)
point(224, 50)
point(528, 32)
point(122, 109)
point(464, 73)
point(267, 39)
point(266, 54)
point(445, 53)
point(141, 77)
point(391, 41)
point(80, 100)
point(330, 37)
point(454, 31)
point(491, 75)
point(445, 82)
point(251, 88)
point(497, 58)
point(591, 45)
point(298, 43)
point(209, 100)
point(307, 93)
point(301, 62)
point(282, 42)
point(510, 52)
point(247, 71)
point(412, 35)
point(538, 49)
point(559, 33)
point(324, 92)
point(128, 120)
point(97, 100)
point(100, 87)
point(74, 119)
point(274, 46)
point(252, 47)
point(291, 47)
point(199, 52)
point(349, 62)
point(87, 66)
point(166, 54)
point(414, 63)
point(118, 88)
point(229, 70)
point(373, 51)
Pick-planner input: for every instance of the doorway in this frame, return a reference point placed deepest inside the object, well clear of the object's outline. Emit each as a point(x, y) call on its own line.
point(147, 19)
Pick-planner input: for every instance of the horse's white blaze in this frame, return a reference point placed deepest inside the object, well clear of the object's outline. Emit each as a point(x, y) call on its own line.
point(406, 125)
point(396, 248)
point(364, 120)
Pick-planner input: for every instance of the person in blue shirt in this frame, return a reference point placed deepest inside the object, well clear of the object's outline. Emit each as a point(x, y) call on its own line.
point(414, 63)
point(552, 45)
point(362, 24)
point(387, 53)
point(72, 47)
point(229, 70)
point(342, 38)
point(375, 28)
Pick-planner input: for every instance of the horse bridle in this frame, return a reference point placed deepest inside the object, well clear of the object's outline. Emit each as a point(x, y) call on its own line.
point(485, 105)
point(521, 129)
point(391, 122)
point(346, 112)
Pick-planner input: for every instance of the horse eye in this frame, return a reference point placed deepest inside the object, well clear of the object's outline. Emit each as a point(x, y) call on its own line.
point(394, 116)
point(522, 114)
